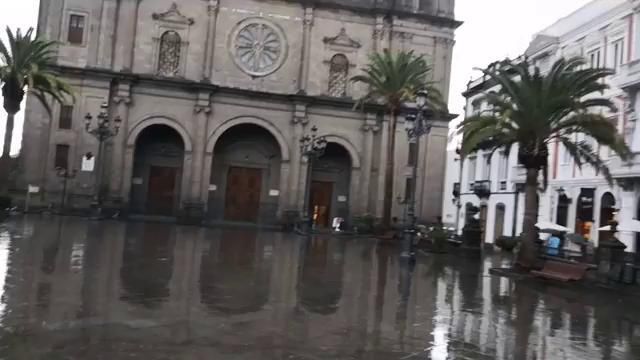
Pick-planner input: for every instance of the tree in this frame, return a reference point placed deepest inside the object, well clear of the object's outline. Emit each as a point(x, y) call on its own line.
point(25, 63)
point(533, 111)
point(392, 80)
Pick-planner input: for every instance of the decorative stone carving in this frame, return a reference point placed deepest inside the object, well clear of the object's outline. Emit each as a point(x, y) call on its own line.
point(173, 15)
point(342, 40)
point(374, 128)
point(258, 47)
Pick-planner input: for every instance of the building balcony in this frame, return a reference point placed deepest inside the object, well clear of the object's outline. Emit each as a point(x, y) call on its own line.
point(519, 174)
point(482, 189)
point(625, 169)
point(628, 76)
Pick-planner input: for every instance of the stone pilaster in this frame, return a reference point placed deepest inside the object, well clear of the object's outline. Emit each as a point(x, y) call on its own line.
point(382, 168)
point(303, 81)
point(195, 200)
point(442, 59)
point(126, 35)
point(380, 33)
point(370, 128)
point(213, 8)
point(122, 103)
point(298, 169)
point(628, 199)
point(108, 21)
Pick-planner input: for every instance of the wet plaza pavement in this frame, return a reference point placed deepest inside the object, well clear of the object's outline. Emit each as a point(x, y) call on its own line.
point(73, 289)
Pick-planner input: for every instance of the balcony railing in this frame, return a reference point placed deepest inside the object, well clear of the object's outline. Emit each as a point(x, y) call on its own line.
point(482, 189)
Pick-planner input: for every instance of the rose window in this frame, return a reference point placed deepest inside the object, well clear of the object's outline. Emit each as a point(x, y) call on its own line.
point(258, 48)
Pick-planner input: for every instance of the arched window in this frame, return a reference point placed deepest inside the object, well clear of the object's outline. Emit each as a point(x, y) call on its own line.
point(498, 229)
point(338, 72)
point(169, 54)
point(607, 214)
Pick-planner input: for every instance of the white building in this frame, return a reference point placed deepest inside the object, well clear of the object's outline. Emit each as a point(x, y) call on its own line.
point(607, 34)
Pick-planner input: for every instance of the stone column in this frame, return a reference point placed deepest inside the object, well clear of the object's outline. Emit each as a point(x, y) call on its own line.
point(212, 9)
point(126, 35)
point(122, 102)
point(303, 81)
point(370, 128)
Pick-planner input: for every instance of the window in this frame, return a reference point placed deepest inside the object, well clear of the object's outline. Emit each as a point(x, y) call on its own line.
point(66, 113)
point(169, 57)
point(566, 155)
point(62, 157)
point(75, 34)
point(472, 172)
point(413, 154)
point(486, 174)
point(476, 106)
point(338, 76)
point(618, 54)
point(503, 167)
point(408, 189)
point(594, 58)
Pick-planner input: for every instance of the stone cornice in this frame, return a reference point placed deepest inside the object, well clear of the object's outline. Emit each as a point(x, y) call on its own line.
point(381, 7)
point(205, 87)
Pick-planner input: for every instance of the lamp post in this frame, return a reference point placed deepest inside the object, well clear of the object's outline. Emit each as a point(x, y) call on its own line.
point(102, 131)
point(312, 147)
point(65, 175)
point(416, 126)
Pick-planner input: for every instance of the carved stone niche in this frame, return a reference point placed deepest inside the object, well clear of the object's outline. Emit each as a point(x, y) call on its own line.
point(171, 21)
point(342, 42)
point(173, 15)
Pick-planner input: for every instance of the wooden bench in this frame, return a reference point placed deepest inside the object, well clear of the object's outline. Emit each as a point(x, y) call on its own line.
point(562, 271)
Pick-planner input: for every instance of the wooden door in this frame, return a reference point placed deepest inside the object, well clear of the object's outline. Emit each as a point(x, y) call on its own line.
point(161, 193)
point(320, 202)
point(242, 201)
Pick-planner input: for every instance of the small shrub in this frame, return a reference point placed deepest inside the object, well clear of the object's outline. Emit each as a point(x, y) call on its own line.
point(507, 243)
point(438, 236)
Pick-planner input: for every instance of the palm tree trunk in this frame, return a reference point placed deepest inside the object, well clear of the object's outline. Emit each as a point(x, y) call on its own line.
point(7, 135)
point(5, 159)
point(527, 254)
point(389, 171)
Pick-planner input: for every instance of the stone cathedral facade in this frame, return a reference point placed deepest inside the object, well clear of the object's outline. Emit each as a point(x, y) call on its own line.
point(214, 96)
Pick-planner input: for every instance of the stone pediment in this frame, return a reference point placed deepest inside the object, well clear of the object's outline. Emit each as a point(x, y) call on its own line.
point(342, 40)
point(173, 15)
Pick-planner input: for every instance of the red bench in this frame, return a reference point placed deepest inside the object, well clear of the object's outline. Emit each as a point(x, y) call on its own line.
point(562, 271)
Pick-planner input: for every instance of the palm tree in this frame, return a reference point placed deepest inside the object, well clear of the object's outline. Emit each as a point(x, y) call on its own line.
point(534, 110)
point(392, 80)
point(25, 67)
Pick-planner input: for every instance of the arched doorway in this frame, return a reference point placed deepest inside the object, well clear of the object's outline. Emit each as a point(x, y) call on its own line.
point(157, 171)
point(245, 176)
point(329, 195)
point(607, 214)
point(498, 229)
point(584, 212)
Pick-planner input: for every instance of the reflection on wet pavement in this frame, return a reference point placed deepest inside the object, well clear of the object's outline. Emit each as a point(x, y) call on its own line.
point(73, 289)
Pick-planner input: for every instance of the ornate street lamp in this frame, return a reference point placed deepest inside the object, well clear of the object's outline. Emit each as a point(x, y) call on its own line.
point(65, 175)
point(416, 126)
point(102, 131)
point(312, 147)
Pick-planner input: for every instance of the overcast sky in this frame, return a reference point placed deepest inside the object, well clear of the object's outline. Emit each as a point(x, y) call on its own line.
point(492, 30)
